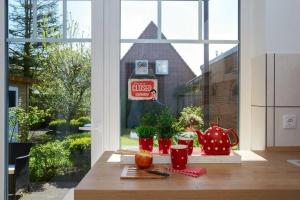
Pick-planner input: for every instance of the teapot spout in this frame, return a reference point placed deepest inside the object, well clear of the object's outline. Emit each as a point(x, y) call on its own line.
point(200, 136)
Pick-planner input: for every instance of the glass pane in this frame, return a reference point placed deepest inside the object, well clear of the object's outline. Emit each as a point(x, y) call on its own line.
point(180, 19)
point(49, 18)
point(136, 16)
point(20, 18)
point(223, 20)
point(49, 122)
point(79, 19)
point(223, 85)
point(172, 90)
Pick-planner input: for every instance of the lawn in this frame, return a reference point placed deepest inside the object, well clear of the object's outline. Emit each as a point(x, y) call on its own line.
point(127, 141)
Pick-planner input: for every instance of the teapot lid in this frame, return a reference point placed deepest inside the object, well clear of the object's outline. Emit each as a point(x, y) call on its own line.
point(212, 124)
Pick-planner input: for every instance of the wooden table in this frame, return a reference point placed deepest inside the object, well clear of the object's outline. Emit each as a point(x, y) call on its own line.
point(273, 179)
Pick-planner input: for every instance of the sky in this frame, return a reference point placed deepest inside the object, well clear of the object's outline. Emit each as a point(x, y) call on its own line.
point(179, 21)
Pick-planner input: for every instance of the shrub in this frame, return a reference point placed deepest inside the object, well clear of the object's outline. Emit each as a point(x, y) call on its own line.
point(25, 120)
point(74, 125)
point(165, 124)
point(48, 160)
point(58, 125)
point(80, 144)
point(63, 126)
point(190, 116)
point(145, 131)
point(149, 119)
point(84, 120)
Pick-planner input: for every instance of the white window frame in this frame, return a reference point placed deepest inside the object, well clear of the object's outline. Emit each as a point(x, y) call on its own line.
point(63, 39)
point(3, 95)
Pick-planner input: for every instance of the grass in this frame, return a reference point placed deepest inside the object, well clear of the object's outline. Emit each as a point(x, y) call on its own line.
point(127, 141)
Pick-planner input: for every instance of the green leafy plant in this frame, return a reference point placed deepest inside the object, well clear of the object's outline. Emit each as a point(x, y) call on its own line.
point(84, 120)
point(80, 144)
point(48, 160)
point(149, 119)
point(58, 125)
point(165, 124)
point(145, 131)
point(22, 119)
point(63, 126)
point(191, 116)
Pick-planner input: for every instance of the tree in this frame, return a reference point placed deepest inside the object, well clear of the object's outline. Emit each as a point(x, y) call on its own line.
point(23, 55)
point(66, 77)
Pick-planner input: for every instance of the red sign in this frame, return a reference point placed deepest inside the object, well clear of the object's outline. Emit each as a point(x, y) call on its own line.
point(142, 89)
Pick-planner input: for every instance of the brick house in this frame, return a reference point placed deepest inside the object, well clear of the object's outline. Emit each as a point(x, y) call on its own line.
point(178, 73)
point(223, 89)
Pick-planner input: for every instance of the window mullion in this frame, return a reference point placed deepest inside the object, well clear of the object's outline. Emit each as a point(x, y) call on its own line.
point(34, 19)
point(65, 18)
point(200, 20)
point(159, 19)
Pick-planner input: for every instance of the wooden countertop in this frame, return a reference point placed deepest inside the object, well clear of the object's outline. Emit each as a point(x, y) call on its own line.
point(273, 179)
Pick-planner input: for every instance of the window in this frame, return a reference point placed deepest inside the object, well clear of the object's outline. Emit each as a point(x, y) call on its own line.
point(192, 49)
point(49, 74)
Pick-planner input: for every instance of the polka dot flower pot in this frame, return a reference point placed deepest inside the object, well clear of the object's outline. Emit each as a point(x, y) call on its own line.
point(146, 144)
point(164, 145)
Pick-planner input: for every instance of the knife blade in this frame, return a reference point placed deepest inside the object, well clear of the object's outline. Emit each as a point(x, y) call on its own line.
point(158, 173)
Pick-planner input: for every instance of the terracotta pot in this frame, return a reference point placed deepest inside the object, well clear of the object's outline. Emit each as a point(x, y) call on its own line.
point(164, 145)
point(146, 144)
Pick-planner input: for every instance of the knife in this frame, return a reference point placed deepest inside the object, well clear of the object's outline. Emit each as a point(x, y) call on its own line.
point(157, 173)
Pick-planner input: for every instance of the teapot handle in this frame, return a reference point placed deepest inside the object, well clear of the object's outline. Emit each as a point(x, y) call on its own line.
point(236, 137)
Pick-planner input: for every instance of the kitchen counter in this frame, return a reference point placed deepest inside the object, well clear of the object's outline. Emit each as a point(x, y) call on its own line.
point(273, 178)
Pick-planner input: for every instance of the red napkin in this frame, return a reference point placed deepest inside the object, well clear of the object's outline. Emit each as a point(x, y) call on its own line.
point(189, 171)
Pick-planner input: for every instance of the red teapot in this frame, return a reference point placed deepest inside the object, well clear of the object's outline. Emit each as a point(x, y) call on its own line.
point(215, 140)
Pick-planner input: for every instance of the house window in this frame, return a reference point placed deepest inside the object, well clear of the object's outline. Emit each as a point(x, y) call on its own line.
point(181, 38)
point(49, 70)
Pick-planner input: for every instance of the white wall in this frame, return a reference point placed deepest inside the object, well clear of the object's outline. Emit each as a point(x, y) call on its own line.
point(2, 97)
point(276, 32)
point(283, 26)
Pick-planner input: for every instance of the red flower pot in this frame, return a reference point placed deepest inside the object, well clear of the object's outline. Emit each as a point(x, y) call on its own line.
point(164, 145)
point(146, 144)
point(187, 141)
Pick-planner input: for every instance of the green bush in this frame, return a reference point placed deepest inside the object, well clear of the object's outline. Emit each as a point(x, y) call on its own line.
point(59, 125)
point(84, 120)
point(80, 144)
point(191, 116)
point(48, 160)
point(63, 126)
point(165, 124)
point(149, 119)
point(74, 125)
point(145, 131)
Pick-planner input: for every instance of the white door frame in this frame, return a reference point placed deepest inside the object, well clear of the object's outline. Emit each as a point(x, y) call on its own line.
point(3, 95)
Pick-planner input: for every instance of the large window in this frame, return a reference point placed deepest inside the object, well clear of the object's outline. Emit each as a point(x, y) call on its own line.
point(190, 50)
point(49, 77)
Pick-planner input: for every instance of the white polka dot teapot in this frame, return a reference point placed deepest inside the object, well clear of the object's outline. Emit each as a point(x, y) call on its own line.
point(215, 140)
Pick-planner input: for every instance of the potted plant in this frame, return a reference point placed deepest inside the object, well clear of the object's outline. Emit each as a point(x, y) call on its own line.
point(166, 129)
point(146, 134)
point(190, 118)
